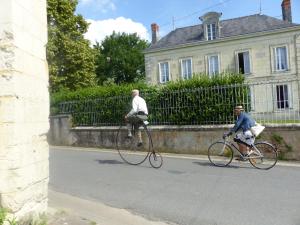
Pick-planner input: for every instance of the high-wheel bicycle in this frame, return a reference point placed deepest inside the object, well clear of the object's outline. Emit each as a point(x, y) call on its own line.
point(135, 149)
point(263, 156)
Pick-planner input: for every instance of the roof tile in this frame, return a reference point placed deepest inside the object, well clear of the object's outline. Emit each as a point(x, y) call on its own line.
point(228, 28)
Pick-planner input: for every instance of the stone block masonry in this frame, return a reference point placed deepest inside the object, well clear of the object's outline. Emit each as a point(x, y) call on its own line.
point(24, 107)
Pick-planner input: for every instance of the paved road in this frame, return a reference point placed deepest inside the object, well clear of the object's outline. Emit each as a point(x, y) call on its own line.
point(183, 191)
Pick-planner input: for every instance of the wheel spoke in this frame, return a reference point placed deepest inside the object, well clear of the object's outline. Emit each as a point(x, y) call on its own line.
point(133, 150)
point(220, 154)
point(264, 156)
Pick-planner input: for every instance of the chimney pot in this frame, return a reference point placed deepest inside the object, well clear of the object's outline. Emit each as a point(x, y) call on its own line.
point(155, 35)
point(286, 10)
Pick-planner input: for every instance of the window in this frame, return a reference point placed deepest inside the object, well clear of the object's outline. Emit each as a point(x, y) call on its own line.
point(213, 65)
point(186, 68)
point(280, 55)
point(211, 31)
point(164, 72)
point(243, 62)
point(282, 95)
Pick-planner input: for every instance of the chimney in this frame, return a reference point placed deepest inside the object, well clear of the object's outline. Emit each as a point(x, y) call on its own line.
point(154, 29)
point(286, 10)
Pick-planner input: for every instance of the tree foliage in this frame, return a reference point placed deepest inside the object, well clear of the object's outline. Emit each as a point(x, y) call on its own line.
point(120, 57)
point(71, 59)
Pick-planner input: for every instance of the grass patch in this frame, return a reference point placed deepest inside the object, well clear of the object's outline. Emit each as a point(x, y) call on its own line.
point(282, 146)
point(3, 213)
point(42, 220)
point(280, 121)
point(277, 138)
point(93, 223)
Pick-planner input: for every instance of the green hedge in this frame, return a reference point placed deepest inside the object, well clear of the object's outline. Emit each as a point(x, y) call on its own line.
point(200, 100)
point(93, 93)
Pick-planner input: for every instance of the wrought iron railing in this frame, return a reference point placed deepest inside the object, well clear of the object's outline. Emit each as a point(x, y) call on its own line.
point(267, 102)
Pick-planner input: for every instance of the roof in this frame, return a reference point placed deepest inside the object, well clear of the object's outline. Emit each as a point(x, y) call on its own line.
point(229, 28)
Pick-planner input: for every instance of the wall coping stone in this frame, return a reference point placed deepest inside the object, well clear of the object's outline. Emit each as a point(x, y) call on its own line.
point(186, 127)
point(61, 116)
point(295, 126)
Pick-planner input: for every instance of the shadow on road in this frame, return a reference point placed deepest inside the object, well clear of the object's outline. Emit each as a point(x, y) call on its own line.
point(203, 164)
point(176, 172)
point(231, 166)
point(109, 161)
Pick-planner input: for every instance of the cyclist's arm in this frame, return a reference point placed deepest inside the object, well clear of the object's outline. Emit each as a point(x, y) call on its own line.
point(238, 124)
point(134, 108)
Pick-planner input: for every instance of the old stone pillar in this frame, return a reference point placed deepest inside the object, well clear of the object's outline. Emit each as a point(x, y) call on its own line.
point(24, 107)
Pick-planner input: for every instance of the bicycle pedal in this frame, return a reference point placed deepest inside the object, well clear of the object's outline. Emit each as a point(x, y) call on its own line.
point(241, 159)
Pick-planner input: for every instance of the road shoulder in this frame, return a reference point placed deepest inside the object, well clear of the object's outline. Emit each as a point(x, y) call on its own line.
point(66, 209)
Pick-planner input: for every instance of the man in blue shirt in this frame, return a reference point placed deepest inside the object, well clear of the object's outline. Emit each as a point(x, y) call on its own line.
point(245, 139)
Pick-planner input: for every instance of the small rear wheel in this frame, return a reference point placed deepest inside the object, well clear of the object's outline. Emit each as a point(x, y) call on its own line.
point(220, 154)
point(264, 156)
point(155, 160)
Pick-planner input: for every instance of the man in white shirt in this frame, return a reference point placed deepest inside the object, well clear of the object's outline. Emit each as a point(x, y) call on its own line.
point(138, 113)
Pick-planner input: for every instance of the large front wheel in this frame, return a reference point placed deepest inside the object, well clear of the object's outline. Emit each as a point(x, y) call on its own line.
point(135, 149)
point(264, 156)
point(220, 154)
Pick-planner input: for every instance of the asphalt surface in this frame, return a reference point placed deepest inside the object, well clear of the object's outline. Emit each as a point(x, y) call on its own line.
point(185, 191)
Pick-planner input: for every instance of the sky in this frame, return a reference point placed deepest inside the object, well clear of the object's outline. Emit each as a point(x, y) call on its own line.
point(136, 16)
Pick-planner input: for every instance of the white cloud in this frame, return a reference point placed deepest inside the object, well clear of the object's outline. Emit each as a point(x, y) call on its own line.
point(99, 29)
point(102, 5)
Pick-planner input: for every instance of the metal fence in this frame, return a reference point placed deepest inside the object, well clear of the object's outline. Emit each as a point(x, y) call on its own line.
point(267, 102)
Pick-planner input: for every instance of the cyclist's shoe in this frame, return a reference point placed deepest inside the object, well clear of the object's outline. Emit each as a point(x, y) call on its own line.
point(140, 144)
point(245, 156)
point(240, 158)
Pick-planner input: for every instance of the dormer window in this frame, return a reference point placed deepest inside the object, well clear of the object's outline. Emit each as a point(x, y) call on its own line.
point(211, 31)
point(211, 25)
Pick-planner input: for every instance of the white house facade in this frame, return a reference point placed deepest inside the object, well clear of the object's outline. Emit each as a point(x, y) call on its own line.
point(263, 48)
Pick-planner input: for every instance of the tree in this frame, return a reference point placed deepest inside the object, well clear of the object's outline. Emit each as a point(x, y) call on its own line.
point(120, 57)
point(71, 59)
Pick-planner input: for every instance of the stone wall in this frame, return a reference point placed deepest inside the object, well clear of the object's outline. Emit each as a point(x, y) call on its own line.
point(175, 139)
point(24, 107)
